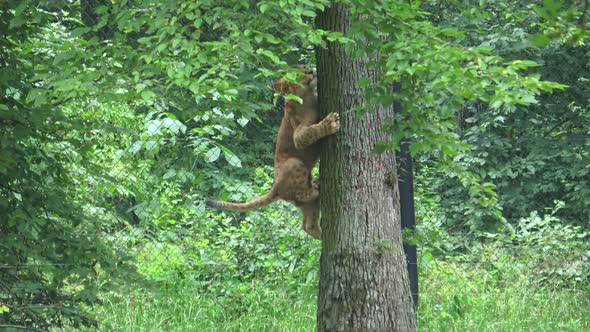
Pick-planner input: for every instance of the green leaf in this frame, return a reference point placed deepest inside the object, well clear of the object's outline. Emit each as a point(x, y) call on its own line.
point(523, 64)
point(232, 159)
point(382, 146)
point(243, 121)
point(496, 103)
point(212, 155)
point(540, 40)
point(136, 147)
point(147, 95)
point(529, 99)
point(308, 13)
point(174, 126)
point(452, 32)
point(275, 59)
point(294, 97)
point(552, 5)
point(171, 173)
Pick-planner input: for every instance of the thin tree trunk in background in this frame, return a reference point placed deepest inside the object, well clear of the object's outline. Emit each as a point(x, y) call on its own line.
point(364, 283)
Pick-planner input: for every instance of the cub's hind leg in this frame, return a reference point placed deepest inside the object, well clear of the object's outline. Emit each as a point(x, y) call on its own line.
point(294, 182)
point(307, 195)
point(312, 193)
point(311, 218)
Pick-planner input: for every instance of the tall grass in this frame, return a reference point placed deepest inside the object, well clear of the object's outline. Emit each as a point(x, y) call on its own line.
point(185, 310)
point(453, 297)
point(458, 297)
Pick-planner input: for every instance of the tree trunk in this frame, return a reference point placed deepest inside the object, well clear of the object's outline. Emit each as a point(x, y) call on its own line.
point(364, 283)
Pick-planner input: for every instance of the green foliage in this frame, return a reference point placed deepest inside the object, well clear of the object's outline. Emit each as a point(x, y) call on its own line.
point(53, 254)
point(224, 252)
point(532, 277)
point(532, 154)
point(558, 255)
point(567, 22)
point(436, 75)
point(550, 254)
point(468, 297)
point(433, 71)
point(120, 117)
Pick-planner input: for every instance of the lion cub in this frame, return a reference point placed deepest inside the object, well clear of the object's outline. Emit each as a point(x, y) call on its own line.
point(296, 153)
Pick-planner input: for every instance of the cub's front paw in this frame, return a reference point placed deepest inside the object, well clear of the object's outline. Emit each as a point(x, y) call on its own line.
point(332, 122)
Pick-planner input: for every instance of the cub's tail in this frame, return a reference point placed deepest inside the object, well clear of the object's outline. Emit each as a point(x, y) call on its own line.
point(259, 202)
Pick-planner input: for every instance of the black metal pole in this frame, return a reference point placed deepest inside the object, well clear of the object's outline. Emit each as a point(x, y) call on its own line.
point(408, 220)
point(406, 198)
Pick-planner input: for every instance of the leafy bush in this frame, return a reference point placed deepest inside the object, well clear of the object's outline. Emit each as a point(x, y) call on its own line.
point(548, 252)
point(265, 247)
point(553, 254)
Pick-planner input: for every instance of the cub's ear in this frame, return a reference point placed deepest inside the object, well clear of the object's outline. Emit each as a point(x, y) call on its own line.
point(281, 86)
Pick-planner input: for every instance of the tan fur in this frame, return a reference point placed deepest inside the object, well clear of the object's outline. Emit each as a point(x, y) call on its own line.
point(296, 153)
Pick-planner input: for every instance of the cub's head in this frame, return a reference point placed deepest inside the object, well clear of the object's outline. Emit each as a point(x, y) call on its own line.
point(305, 81)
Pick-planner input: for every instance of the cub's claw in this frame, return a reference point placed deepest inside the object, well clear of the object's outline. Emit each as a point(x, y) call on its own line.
point(332, 122)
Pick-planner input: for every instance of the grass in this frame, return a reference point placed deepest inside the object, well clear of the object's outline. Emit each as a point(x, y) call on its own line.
point(463, 298)
point(454, 297)
point(186, 311)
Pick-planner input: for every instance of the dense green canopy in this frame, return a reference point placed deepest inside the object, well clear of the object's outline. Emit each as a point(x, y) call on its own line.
point(118, 119)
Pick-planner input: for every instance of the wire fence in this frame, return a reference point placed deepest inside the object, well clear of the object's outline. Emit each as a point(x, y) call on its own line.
point(171, 237)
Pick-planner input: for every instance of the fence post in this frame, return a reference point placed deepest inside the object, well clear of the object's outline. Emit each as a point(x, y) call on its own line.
point(406, 198)
point(406, 193)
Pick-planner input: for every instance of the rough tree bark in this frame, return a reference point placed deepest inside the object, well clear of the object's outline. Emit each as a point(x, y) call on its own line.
point(364, 284)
